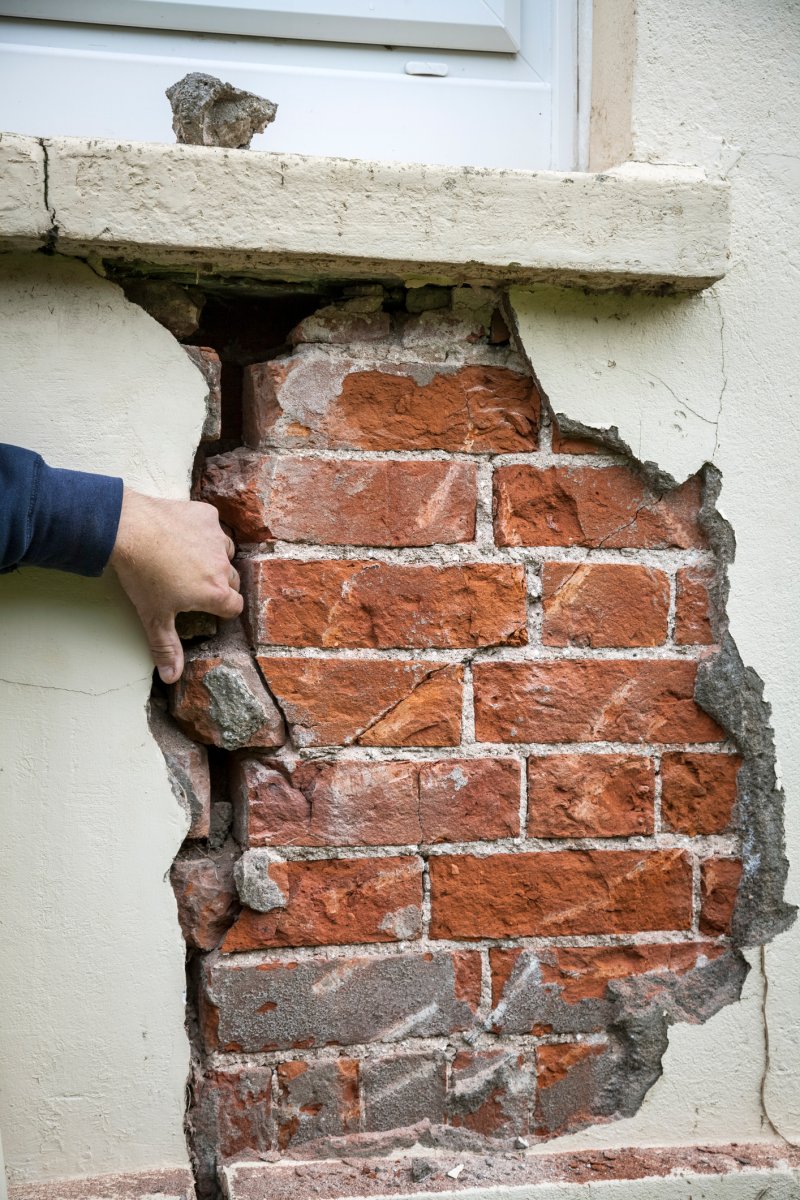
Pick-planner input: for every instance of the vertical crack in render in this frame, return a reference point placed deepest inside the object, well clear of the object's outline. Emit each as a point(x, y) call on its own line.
point(724, 371)
point(52, 235)
point(767, 1062)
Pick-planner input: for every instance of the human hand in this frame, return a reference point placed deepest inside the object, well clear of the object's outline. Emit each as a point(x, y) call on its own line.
point(173, 556)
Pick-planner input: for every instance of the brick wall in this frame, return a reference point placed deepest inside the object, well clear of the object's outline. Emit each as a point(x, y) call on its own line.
point(470, 843)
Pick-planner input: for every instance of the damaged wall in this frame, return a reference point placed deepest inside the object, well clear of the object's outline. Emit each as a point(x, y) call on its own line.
point(494, 852)
point(710, 85)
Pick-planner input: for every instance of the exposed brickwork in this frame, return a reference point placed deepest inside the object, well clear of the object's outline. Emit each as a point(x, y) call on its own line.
point(281, 1004)
point(719, 881)
point(568, 989)
point(377, 804)
point(335, 902)
point(698, 792)
point(593, 506)
point(498, 829)
point(407, 407)
point(581, 795)
point(560, 893)
point(316, 1099)
point(590, 701)
point(340, 503)
point(379, 606)
point(331, 702)
point(604, 605)
point(693, 624)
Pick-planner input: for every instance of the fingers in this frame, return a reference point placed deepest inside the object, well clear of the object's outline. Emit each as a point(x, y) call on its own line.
point(226, 603)
point(165, 648)
point(230, 547)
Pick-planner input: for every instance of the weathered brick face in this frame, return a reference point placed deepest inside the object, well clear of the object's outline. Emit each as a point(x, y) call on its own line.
point(492, 827)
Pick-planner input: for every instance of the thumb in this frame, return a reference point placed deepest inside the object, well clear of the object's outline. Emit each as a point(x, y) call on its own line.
point(165, 648)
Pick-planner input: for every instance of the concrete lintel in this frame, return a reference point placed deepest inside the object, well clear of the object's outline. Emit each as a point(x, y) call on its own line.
point(272, 215)
point(733, 1172)
point(24, 220)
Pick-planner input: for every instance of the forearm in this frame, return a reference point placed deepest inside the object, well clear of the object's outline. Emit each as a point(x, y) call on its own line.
point(66, 520)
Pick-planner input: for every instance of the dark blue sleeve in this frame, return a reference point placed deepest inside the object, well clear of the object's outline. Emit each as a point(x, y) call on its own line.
point(53, 518)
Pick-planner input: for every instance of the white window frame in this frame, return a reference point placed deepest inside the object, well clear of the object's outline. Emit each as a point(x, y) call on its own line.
point(485, 25)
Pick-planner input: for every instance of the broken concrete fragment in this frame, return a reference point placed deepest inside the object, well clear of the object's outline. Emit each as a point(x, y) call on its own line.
point(208, 363)
point(208, 112)
point(256, 888)
point(177, 308)
point(187, 765)
point(356, 320)
point(221, 700)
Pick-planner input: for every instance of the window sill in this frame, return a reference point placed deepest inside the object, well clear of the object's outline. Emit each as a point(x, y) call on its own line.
point(282, 216)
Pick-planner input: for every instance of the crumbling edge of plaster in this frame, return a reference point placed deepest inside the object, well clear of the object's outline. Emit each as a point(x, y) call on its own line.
point(732, 694)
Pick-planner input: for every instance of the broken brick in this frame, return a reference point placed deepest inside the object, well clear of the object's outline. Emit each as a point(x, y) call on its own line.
point(334, 701)
point(336, 901)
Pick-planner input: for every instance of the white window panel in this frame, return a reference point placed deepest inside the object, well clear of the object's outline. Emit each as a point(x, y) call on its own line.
point(484, 25)
point(515, 110)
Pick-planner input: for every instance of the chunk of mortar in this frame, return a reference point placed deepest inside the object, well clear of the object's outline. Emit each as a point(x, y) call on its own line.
point(208, 112)
point(253, 883)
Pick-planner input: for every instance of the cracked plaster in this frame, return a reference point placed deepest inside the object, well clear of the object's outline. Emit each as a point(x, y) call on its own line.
point(92, 1065)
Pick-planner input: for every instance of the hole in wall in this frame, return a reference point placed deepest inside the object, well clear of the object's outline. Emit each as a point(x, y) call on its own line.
point(482, 796)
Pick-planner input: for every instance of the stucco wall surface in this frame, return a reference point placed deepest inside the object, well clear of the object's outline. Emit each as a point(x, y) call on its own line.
point(93, 1055)
point(713, 378)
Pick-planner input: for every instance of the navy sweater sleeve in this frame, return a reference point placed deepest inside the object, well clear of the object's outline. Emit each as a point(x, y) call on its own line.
point(53, 518)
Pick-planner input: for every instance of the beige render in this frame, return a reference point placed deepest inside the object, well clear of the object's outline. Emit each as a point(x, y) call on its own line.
point(710, 87)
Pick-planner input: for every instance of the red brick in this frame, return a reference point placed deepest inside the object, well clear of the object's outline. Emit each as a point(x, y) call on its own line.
point(698, 792)
point(232, 1114)
point(208, 363)
point(342, 502)
point(267, 810)
point(564, 443)
point(585, 795)
point(316, 1100)
point(604, 605)
point(593, 506)
point(490, 1092)
point(461, 800)
point(314, 400)
point(401, 1090)
point(334, 902)
point(332, 702)
point(719, 883)
point(569, 1079)
point(220, 699)
point(586, 700)
point(279, 1004)
point(187, 766)
point(378, 605)
point(559, 893)
point(376, 803)
point(206, 895)
point(565, 989)
point(693, 609)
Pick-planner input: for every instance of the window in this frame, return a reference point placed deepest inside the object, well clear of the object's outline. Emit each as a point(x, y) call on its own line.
point(489, 83)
